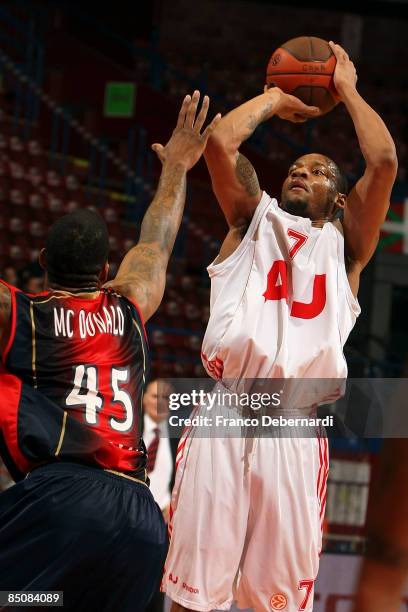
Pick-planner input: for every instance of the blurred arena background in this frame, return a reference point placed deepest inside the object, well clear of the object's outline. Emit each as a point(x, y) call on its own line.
point(83, 94)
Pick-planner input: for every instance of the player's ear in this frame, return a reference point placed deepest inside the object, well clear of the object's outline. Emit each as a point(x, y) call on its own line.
point(341, 201)
point(41, 259)
point(339, 205)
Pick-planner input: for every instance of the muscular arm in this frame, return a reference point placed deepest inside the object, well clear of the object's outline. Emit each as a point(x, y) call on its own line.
point(369, 200)
point(5, 314)
point(233, 178)
point(367, 204)
point(142, 273)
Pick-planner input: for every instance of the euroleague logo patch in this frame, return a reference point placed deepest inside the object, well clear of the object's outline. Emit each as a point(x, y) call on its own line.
point(278, 601)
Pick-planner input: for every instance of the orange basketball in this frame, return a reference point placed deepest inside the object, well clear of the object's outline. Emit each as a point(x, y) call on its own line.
point(304, 67)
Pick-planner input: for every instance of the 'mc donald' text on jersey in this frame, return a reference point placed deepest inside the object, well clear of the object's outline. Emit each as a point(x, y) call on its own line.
point(73, 324)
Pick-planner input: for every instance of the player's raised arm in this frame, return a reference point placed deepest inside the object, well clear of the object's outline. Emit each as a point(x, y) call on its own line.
point(142, 273)
point(233, 177)
point(369, 200)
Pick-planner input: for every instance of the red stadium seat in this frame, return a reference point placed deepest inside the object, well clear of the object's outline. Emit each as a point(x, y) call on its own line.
point(36, 229)
point(35, 176)
point(34, 148)
point(36, 201)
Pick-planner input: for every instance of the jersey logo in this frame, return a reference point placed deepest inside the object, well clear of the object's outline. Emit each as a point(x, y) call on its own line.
point(298, 240)
point(277, 289)
point(278, 601)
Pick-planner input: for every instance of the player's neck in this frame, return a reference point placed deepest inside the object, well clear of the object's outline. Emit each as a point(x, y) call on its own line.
point(319, 222)
point(79, 291)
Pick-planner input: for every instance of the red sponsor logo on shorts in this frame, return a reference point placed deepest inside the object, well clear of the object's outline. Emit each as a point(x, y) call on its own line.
point(278, 601)
point(173, 580)
point(189, 588)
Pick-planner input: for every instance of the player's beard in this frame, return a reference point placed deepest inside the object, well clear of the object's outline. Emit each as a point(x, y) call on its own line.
point(297, 206)
point(300, 206)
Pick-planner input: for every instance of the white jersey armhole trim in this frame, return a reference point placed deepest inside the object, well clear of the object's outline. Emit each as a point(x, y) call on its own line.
point(351, 300)
point(217, 268)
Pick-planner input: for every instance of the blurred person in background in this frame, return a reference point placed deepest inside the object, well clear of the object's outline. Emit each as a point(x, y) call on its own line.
point(161, 457)
point(32, 278)
point(384, 574)
point(161, 449)
point(34, 284)
point(10, 275)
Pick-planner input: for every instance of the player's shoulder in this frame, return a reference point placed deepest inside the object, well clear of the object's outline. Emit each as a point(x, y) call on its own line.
point(243, 231)
point(116, 293)
point(125, 297)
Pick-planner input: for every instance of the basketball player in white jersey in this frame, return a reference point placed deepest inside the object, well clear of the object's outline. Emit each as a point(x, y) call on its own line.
point(247, 514)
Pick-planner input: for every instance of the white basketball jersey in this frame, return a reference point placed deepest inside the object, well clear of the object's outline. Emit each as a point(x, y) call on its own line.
point(281, 304)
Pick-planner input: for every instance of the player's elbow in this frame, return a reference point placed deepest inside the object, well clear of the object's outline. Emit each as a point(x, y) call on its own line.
point(221, 142)
point(385, 161)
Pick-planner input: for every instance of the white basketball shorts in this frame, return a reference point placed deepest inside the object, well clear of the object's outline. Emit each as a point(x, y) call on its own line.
point(246, 522)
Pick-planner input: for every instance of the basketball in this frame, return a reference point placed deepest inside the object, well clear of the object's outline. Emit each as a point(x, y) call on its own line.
point(304, 67)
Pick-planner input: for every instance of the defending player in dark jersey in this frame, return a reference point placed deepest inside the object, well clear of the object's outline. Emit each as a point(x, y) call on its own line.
point(88, 357)
point(81, 519)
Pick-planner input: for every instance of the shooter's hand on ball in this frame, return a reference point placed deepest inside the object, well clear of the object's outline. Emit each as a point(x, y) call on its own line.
point(291, 108)
point(345, 75)
point(187, 143)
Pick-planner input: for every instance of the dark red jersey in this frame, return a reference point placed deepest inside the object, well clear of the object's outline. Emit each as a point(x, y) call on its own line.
point(82, 364)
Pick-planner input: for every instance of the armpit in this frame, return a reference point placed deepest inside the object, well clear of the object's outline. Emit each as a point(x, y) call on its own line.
point(231, 242)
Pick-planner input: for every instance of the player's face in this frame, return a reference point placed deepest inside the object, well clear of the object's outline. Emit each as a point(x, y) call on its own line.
point(310, 188)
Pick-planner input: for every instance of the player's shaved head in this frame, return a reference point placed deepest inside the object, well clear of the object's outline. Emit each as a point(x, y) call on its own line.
point(77, 249)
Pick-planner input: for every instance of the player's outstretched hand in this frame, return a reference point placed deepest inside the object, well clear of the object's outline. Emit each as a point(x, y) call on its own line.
point(345, 75)
point(187, 143)
point(292, 109)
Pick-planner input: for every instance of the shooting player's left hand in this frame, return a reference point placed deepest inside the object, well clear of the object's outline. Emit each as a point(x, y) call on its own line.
point(345, 75)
